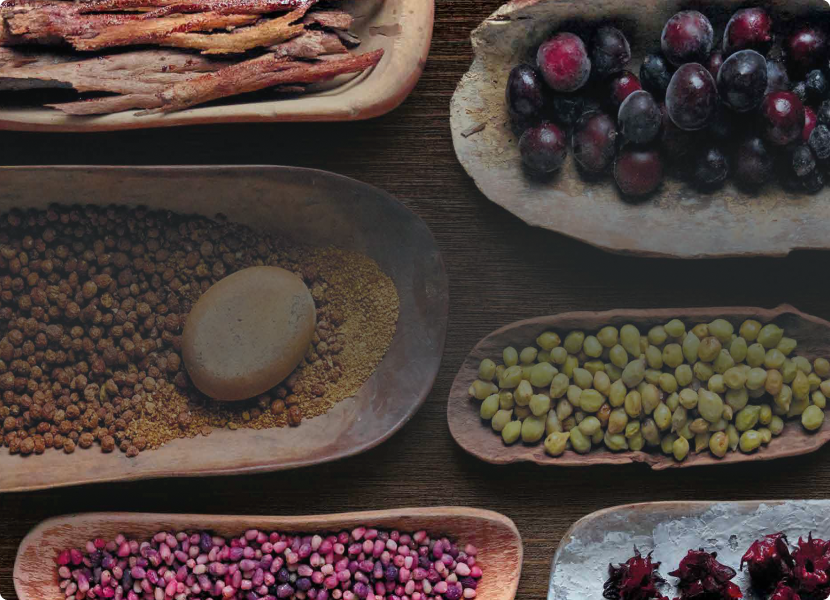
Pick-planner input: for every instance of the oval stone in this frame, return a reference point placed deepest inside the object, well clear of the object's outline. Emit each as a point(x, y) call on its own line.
point(248, 332)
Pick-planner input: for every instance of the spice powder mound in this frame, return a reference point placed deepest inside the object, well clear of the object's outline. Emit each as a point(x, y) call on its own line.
point(92, 304)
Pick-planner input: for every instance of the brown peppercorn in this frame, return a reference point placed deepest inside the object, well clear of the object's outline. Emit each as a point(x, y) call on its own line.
point(107, 444)
point(295, 416)
point(132, 452)
point(27, 446)
point(86, 440)
point(69, 446)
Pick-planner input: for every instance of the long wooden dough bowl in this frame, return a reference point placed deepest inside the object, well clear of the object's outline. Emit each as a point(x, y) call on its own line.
point(477, 438)
point(496, 537)
point(670, 529)
point(312, 207)
point(678, 221)
point(403, 28)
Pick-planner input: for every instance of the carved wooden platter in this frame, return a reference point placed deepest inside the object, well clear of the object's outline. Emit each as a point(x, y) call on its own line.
point(403, 28)
point(312, 207)
point(496, 537)
point(678, 221)
point(477, 438)
point(670, 529)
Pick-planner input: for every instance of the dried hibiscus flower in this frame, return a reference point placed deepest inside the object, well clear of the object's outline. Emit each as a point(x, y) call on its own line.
point(635, 579)
point(702, 577)
point(768, 561)
point(784, 592)
point(812, 562)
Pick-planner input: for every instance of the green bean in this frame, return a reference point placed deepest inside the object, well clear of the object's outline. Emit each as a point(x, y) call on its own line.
point(770, 335)
point(650, 433)
point(651, 398)
point(548, 341)
point(756, 379)
point(709, 405)
point(574, 395)
point(486, 370)
point(552, 423)
point(589, 426)
point(776, 426)
point(500, 372)
point(539, 405)
point(654, 357)
point(662, 417)
point(630, 340)
point(688, 398)
point(755, 355)
point(559, 355)
point(544, 357)
point(825, 387)
point(680, 449)
point(738, 349)
point(594, 367)
point(533, 429)
point(511, 378)
point(510, 356)
point(668, 383)
point(812, 418)
point(822, 367)
point(723, 362)
point(556, 443)
point(774, 383)
point(580, 442)
point(602, 383)
point(652, 376)
point(703, 371)
point(616, 396)
point(608, 336)
point(750, 441)
point(489, 407)
point(721, 329)
point(571, 364)
point(716, 384)
point(737, 399)
point(583, 378)
point(616, 443)
point(591, 400)
point(675, 328)
point(787, 346)
point(747, 418)
point(634, 373)
point(591, 347)
point(709, 349)
point(481, 389)
point(657, 335)
point(765, 416)
point(749, 330)
point(672, 355)
point(719, 444)
point(673, 401)
point(683, 375)
point(613, 371)
point(720, 425)
point(573, 342)
point(511, 432)
point(501, 419)
point(523, 393)
point(542, 374)
point(633, 404)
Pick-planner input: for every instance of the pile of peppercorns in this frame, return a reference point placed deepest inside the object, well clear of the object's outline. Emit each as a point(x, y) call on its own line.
point(750, 107)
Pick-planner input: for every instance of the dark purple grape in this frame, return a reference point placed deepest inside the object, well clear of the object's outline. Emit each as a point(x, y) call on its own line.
point(594, 141)
point(800, 90)
point(753, 163)
point(638, 171)
point(742, 81)
point(819, 142)
point(543, 148)
point(610, 51)
point(816, 86)
point(525, 95)
point(687, 37)
point(823, 113)
point(567, 108)
point(714, 63)
point(813, 183)
point(564, 63)
point(692, 97)
point(677, 144)
point(711, 167)
point(724, 125)
point(622, 85)
point(802, 160)
point(777, 78)
point(782, 117)
point(639, 118)
point(655, 75)
point(748, 29)
point(806, 49)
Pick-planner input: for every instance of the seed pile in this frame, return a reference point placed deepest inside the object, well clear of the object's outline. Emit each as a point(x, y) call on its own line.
point(365, 563)
point(709, 388)
point(93, 301)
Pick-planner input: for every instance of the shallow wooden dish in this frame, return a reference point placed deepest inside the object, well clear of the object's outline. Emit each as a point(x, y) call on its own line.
point(676, 222)
point(313, 207)
point(477, 438)
point(498, 540)
point(403, 28)
point(670, 529)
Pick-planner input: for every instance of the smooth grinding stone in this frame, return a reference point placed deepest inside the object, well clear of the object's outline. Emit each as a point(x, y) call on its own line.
point(248, 332)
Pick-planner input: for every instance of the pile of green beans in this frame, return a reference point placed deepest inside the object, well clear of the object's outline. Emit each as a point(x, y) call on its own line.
point(677, 390)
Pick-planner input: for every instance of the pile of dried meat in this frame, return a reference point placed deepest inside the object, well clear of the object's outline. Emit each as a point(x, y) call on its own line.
point(166, 55)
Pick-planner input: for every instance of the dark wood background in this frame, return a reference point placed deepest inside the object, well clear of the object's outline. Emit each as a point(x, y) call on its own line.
point(500, 270)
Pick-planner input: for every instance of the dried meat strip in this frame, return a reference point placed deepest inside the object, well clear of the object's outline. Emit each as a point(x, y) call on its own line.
point(248, 7)
point(311, 44)
point(51, 24)
point(330, 19)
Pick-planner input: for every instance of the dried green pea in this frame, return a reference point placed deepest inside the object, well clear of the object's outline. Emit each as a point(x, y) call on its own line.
point(510, 356)
point(699, 426)
point(812, 418)
point(750, 441)
point(608, 336)
point(559, 385)
point(617, 421)
point(737, 399)
point(571, 364)
point(709, 405)
point(636, 442)
point(662, 417)
point(556, 443)
point(500, 372)
point(680, 449)
point(574, 395)
point(798, 406)
point(541, 374)
point(688, 398)
point(580, 442)
point(675, 328)
point(618, 356)
point(701, 330)
point(501, 419)
point(774, 359)
point(716, 384)
point(703, 371)
point(747, 418)
point(630, 340)
point(543, 357)
point(654, 357)
point(489, 407)
point(539, 405)
point(825, 387)
point(552, 423)
point(722, 330)
point(511, 432)
point(756, 379)
point(667, 443)
point(602, 383)
point(573, 342)
point(814, 381)
point(558, 355)
point(789, 371)
point(650, 433)
point(679, 419)
point(486, 370)
point(800, 386)
point(719, 444)
point(632, 429)
point(613, 371)
point(765, 416)
point(657, 335)
point(528, 355)
point(723, 362)
point(521, 412)
point(822, 367)
point(616, 443)
point(481, 389)
point(594, 367)
point(526, 371)
point(589, 426)
point(774, 383)
point(702, 442)
point(673, 401)
point(583, 378)
point(738, 349)
point(776, 426)
point(523, 393)
point(591, 400)
point(734, 378)
point(564, 409)
point(591, 347)
point(803, 365)
point(720, 425)
point(784, 398)
point(533, 429)
point(683, 375)
point(709, 349)
point(616, 396)
point(672, 355)
point(633, 404)
point(652, 376)
point(668, 383)
point(787, 346)
point(548, 341)
point(766, 435)
point(819, 399)
point(733, 436)
point(690, 348)
point(634, 373)
point(597, 438)
point(770, 335)
point(755, 355)
point(511, 378)
point(749, 330)
point(506, 401)
point(650, 396)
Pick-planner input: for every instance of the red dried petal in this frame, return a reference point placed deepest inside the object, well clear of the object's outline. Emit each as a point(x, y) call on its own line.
point(784, 592)
point(635, 579)
point(702, 577)
point(812, 563)
point(768, 561)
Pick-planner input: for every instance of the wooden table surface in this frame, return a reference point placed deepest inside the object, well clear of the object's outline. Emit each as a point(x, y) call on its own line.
point(499, 269)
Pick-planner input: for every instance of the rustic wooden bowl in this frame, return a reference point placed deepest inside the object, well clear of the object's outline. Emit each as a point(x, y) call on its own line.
point(670, 529)
point(497, 539)
point(477, 438)
point(310, 206)
point(403, 28)
point(676, 222)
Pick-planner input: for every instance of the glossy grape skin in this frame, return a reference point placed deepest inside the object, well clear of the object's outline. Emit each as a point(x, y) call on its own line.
point(806, 49)
point(621, 86)
point(816, 86)
point(687, 37)
point(593, 142)
point(742, 81)
point(813, 183)
point(800, 89)
point(525, 95)
point(748, 29)
point(639, 118)
point(610, 51)
point(802, 160)
point(655, 75)
point(714, 64)
point(711, 167)
point(638, 171)
point(819, 142)
point(823, 113)
point(777, 78)
point(810, 122)
point(753, 163)
point(677, 144)
point(564, 63)
point(782, 117)
point(567, 108)
point(543, 148)
point(692, 97)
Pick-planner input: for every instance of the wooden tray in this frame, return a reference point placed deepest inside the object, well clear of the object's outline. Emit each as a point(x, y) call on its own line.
point(670, 529)
point(403, 28)
point(497, 539)
point(679, 221)
point(477, 438)
point(314, 207)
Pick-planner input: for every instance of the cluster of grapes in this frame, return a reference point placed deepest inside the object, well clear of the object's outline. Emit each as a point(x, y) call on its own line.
point(703, 111)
